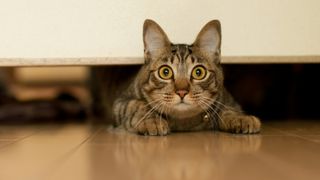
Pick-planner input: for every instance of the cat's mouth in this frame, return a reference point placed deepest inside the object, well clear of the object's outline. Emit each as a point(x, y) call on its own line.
point(182, 105)
point(183, 102)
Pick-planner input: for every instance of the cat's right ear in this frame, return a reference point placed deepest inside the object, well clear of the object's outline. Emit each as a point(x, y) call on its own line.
point(155, 40)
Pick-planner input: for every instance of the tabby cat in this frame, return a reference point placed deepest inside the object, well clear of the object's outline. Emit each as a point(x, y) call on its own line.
point(180, 88)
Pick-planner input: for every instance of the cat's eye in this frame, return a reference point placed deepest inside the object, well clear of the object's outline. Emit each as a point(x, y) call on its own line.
point(199, 73)
point(165, 72)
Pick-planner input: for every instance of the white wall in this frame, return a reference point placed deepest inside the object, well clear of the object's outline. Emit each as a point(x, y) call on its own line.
point(111, 28)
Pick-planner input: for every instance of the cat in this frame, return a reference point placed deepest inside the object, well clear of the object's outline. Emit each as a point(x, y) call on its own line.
point(179, 88)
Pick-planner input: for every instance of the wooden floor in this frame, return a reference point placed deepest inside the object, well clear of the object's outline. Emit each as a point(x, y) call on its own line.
point(284, 150)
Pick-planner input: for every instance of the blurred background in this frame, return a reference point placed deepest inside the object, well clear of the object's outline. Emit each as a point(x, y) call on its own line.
point(272, 92)
point(266, 46)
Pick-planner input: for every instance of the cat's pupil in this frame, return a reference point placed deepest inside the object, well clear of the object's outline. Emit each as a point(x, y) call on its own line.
point(166, 72)
point(198, 72)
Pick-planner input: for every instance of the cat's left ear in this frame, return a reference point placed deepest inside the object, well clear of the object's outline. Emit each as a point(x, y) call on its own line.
point(208, 40)
point(155, 40)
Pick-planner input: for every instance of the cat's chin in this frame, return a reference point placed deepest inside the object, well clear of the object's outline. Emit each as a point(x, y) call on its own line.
point(184, 110)
point(182, 107)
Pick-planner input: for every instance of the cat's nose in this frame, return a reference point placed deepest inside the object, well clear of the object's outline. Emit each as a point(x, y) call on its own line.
point(182, 93)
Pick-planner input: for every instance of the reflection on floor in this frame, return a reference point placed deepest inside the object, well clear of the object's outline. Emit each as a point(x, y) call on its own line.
point(284, 150)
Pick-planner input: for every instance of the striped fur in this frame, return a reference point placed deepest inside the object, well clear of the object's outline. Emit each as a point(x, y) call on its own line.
point(156, 106)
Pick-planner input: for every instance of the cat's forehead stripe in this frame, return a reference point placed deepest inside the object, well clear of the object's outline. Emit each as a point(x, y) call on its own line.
point(192, 59)
point(176, 59)
point(182, 52)
point(189, 59)
point(172, 59)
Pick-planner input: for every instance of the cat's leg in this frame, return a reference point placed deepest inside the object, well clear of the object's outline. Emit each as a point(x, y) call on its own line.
point(239, 123)
point(136, 116)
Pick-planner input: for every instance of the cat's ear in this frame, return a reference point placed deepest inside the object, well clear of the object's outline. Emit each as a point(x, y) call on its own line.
point(155, 39)
point(208, 40)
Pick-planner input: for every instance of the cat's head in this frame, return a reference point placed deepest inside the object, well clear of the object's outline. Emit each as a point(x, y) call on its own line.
point(182, 78)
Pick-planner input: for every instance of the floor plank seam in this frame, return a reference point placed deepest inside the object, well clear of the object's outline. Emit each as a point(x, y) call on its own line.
point(65, 157)
point(295, 135)
point(19, 140)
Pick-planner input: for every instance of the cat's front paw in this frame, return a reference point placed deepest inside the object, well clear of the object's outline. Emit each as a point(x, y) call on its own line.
point(242, 124)
point(153, 127)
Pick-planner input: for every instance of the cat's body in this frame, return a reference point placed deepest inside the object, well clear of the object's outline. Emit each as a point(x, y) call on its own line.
point(180, 88)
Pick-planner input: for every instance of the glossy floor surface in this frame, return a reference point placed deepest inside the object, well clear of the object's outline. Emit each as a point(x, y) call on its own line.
point(284, 150)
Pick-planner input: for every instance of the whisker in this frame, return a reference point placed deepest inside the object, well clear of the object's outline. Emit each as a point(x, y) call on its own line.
point(208, 112)
point(212, 109)
point(228, 107)
point(147, 114)
point(165, 111)
point(162, 107)
point(153, 102)
point(221, 121)
point(204, 99)
point(212, 103)
point(225, 106)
